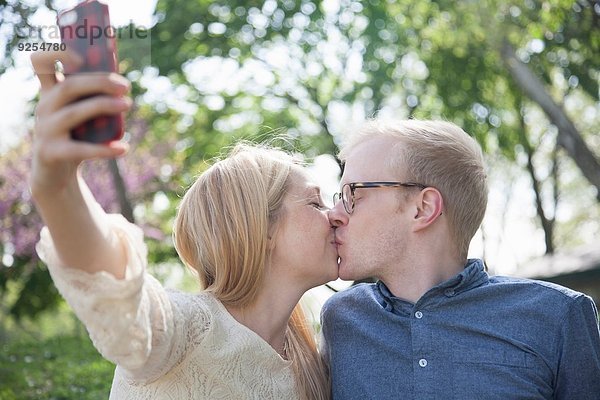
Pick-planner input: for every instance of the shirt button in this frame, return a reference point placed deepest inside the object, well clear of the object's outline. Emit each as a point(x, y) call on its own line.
point(449, 292)
point(418, 315)
point(422, 363)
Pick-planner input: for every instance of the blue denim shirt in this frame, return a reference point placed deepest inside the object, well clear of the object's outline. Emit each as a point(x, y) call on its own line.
point(471, 337)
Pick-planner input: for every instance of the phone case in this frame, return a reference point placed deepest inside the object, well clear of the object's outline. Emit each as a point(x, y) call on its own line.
point(86, 29)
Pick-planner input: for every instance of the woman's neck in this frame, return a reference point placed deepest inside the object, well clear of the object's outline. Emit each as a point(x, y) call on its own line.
point(268, 315)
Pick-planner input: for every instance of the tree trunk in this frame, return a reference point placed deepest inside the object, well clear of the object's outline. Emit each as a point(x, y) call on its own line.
point(124, 202)
point(569, 137)
point(547, 223)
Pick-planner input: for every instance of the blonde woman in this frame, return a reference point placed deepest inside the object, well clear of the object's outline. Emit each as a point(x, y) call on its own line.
point(254, 228)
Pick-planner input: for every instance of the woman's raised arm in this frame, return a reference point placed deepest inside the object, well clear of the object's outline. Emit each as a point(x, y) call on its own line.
point(77, 224)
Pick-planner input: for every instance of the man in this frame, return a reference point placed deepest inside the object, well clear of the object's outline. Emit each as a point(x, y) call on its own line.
point(435, 325)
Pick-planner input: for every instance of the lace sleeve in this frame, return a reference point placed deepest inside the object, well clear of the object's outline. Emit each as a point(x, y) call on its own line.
point(131, 321)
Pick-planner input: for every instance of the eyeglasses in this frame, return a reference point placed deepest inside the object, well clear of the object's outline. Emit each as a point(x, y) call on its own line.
point(347, 193)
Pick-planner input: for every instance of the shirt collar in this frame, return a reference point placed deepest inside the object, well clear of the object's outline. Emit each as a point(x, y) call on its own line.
point(473, 275)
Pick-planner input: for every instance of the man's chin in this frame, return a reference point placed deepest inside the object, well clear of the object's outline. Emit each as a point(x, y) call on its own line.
point(345, 272)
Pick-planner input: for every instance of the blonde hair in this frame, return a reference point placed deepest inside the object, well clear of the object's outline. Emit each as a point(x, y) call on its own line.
point(222, 231)
point(441, 155)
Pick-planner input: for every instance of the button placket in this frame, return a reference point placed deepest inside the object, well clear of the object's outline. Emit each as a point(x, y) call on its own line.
point(418, 314)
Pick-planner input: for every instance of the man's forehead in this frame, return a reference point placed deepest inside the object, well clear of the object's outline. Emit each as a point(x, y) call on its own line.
point(379, 145)
point(369, 160)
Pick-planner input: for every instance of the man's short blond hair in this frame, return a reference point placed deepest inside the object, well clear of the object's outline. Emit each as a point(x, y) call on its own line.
point(441, 155)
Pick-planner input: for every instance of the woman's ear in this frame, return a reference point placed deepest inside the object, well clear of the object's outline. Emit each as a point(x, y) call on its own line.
point(430, 205)
point(270, 243)
point(272, 237)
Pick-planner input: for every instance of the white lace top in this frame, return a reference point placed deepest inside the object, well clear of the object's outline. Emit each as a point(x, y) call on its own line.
point(167, 344)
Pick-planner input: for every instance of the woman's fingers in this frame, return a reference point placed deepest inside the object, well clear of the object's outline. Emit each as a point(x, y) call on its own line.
point(44, 64)
point(77, 86)
point(57, 93)
point(70, 150)
point(72, 115)
point(55, 162)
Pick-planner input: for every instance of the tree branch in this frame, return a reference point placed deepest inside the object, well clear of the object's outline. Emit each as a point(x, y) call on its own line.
point(569, 137)
point(547, 224)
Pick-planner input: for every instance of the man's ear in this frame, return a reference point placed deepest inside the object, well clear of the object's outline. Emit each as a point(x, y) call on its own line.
point(429, 206)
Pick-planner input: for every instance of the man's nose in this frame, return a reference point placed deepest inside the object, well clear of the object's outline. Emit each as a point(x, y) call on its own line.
point(338, 215)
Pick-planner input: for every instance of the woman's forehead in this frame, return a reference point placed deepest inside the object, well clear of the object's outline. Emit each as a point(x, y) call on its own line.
point(303, 181)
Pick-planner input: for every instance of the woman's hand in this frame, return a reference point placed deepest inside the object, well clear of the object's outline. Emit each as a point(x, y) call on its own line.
point(55, 155)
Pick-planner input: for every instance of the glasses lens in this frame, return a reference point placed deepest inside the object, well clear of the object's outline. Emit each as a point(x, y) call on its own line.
point(347, 198)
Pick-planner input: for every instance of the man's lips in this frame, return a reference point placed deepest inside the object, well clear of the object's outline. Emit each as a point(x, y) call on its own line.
point(337, 241)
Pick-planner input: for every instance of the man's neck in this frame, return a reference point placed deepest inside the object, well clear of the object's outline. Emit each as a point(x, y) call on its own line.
point(411, 282)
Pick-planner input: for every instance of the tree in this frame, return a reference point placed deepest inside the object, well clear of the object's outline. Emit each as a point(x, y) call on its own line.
point(25, 286)
point(313, 66)
point(428, 59)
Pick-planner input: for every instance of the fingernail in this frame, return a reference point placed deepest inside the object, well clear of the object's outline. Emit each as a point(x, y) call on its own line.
point(123, 102)
point(120, 81)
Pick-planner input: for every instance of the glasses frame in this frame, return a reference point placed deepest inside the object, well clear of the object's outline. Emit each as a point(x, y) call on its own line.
point(349, 203)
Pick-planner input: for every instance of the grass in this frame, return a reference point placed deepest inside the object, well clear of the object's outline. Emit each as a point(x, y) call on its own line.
point(57, 368)
point(52, 358)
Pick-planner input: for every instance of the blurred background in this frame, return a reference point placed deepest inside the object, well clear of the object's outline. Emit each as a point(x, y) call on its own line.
point(522, 77)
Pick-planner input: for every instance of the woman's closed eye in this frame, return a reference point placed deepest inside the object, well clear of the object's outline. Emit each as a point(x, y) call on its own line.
point(314, 199)
point(317, 202)
point(318, 205)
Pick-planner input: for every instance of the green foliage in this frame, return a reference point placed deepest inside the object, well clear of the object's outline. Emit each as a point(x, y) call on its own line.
point(221, 28)
point(15, 15)
point(34, 285)
point(63, 367)
point(570, 34)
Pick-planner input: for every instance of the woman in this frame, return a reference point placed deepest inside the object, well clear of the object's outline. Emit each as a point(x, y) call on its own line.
point(252, 226)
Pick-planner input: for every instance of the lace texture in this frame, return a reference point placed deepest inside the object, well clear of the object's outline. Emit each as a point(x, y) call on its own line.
point(167, 344)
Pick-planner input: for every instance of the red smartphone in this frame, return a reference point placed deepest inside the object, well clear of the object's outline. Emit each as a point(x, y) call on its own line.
point(86, 30)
